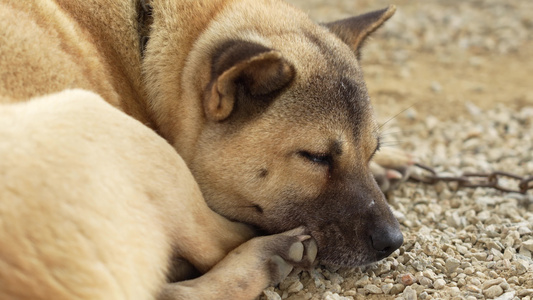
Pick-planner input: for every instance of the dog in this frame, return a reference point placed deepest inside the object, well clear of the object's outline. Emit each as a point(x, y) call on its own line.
point(145, 141)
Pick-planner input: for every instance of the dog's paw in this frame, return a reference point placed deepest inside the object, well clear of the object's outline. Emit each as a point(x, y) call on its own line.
point(391, 167)
point(274, 257)
point(289, 252)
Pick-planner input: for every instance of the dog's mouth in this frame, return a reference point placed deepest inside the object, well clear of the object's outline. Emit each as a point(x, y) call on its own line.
point(339, 247)
point(347, 238)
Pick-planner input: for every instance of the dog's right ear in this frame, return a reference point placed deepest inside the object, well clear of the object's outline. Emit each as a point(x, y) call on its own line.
point(354, 31)
point(258, 70)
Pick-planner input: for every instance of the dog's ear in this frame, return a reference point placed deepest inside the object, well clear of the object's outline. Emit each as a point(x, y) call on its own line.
point(353, 31)
point(246, 67)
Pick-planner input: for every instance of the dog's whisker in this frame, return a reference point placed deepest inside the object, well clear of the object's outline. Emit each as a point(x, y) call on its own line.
point(396, 115)
point(385, 134)
point(391, 145)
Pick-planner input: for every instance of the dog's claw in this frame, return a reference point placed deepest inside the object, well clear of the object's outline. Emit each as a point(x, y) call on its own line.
point(312, 250)
point(304, 237)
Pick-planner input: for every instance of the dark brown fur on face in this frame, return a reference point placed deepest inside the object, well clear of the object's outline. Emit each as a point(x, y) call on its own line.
point(298, 154)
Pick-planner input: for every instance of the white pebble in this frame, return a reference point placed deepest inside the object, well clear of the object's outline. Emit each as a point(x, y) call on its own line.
point(409, 293)
point(492, 282)
point(271, 295)
point(386, 288)
point(528, 245)
point(439, 284)
point(506, 296)
point(452, 264)
point(493, 291)
point(373, 289)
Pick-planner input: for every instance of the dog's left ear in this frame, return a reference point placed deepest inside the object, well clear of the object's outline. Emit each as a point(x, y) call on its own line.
point(353, 31)
point(244, 67)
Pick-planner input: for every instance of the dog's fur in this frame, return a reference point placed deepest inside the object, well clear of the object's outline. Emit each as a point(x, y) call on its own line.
point(268, 110)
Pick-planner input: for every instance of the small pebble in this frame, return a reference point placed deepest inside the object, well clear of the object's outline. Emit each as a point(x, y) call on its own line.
point(521, 267)
point(373, 289)
point(425, 281)
point(454, 291)
point(509, 253)
point(506, 296)
point(407, 279)
point(480, 256)
point(439, 284)
point(397, 288)
point(271, 295)
point(524, 230)
point(462, 249)
point(386, 288)
point(409, 294)
point(505, 286)
point(334, 296)
point(493, 291)
point(362, 281)
point(524, 292)
point(423, 295)
point(528, 245)
point(452, 264)
point(513, 280)
point(489, 283)
point(295, 287)
point(473, 288)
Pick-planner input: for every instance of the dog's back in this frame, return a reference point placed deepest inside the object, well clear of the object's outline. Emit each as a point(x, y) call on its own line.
point(74, 222)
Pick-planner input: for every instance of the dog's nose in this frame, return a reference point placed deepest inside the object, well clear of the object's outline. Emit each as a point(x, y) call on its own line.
point(386, 241)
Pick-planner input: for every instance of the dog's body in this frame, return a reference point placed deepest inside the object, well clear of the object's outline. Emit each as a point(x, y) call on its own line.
point(268, 110)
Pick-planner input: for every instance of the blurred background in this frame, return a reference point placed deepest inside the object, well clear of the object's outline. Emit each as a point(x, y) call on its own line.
point(441, 56)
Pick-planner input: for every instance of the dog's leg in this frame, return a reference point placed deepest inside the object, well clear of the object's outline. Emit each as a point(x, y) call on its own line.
point(391, 167)
point(204, 238)
point(249, 269)
point(180, 270)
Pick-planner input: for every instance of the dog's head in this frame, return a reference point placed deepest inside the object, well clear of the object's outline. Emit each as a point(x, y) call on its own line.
point(288, 130)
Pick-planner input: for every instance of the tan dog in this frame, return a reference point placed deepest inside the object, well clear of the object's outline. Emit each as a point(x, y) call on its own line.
point(268, 109)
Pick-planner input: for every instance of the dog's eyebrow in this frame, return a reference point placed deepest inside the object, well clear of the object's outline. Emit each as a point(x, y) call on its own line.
point(336, 147)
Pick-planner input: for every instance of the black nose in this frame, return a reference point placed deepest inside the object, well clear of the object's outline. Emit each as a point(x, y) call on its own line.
point(385, 241)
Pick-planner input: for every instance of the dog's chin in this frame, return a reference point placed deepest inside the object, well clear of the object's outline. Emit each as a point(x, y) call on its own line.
point(333, 248)
point(331, 255)
point(344, 260)
point(339, 251)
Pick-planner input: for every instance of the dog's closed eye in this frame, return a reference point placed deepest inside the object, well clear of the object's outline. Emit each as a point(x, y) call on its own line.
point(378, 147)
point(318, 158)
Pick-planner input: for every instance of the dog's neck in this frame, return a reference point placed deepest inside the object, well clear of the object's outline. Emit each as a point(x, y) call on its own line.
point(145, 19)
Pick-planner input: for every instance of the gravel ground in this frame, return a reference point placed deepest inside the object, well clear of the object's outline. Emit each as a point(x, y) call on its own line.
point(459, 243)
